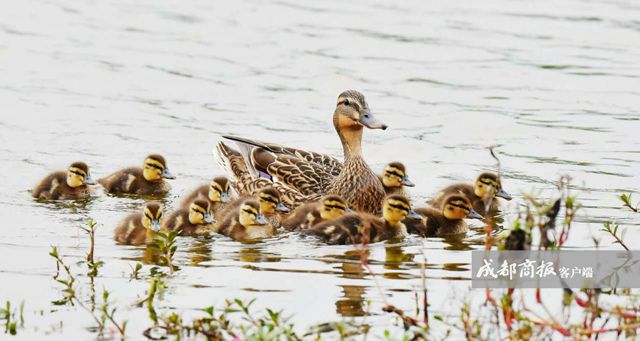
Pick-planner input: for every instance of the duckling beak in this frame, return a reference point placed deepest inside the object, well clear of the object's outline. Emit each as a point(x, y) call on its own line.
point(167, 174)
point(407, 182)
point(261, 219)
point(368, 120)
point(155, 225)
point(224, 197)
point(89, 180)
point(414, 215)
point(208, 218)
point(502, 194)
point(475, 215)
point(282, 208)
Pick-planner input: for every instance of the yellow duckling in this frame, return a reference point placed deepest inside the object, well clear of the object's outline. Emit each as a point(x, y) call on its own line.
point(138, 228)
point(448, 220)
point(191, 221)
point(271, 206)
point(483, 194)
point(147, 180)
point(311, 214)
point(394, 179)
point(247, 224)
point(72, 184)
point(363, 228)
point(216, 192)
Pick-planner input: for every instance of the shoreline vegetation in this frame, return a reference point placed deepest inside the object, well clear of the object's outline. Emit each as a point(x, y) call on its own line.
point(505, 314)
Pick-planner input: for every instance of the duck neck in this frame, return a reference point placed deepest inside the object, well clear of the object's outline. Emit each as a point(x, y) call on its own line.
point(351, 138)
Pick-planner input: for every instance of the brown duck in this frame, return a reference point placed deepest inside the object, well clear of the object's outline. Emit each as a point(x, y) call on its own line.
point(312, 175)
point(137, 228)
point(448, 220)
point(483, 193)
point(246, 224)
point(311, 214)
point(191, 221)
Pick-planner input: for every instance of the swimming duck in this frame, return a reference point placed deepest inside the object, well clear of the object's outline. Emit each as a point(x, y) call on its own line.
point(271, 207)
point(311, 214)
point(313, 175)
point(394, 179)
point(72, 184)
point(483, 194)
point(216, 192)
point(191, 221)
point(364, 228)
point(246, 224)
point(448, 220)
point(138, 228)
point(147, 180)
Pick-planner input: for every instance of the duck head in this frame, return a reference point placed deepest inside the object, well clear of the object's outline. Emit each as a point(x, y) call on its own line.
point(457, 206)
point(333, 207)
point(219, 189)
point(249, 214)
point(78, 175)
point(200, 212)
point(395, 176)
point(155, 168)
point(151, 216)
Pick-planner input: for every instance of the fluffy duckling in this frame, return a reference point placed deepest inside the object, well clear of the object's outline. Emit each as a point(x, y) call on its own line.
point(246, 224)
point(72, 184)
point(191, 221)
point(483, 194)
point(394, 179)
point(216, 192)
point(137, 228)
point(358, 228)
point(449, 220)
point(311, 214)
point(271, 206)
point(147, 180)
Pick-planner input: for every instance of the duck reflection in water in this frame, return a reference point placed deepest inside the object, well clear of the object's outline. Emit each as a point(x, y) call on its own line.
point(352, 302)
point(256, 255)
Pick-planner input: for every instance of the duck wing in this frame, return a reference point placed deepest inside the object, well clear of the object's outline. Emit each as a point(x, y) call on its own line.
point(306, 172)
point(234, 164)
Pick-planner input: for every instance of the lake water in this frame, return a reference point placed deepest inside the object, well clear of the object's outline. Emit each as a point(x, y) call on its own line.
point(555, 85)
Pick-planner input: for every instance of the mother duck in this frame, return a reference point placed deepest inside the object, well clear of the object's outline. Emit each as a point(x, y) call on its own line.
point(302, 175)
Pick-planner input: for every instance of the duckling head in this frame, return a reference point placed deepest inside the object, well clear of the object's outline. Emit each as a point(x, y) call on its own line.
point(333, 207)
point(396, 208)
point(352, 112)
point(457, 206)
point(200, 212)
point(78, 175)
point(155, 168)
point(250, 214)
point(151, 216)
point(219, 189)
point(488, 186)
point(269, 199)
point(395, 176)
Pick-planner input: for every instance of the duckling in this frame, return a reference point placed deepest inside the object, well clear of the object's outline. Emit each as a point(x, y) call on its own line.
point(138, 228)
point(482, 194)
point(72, 184)
point(363, 228)
point(147, 180)
point(191, 221)
point(445, 221)
point(271, 206)
point(216, 192)
point(394, 179)
point(246, 224)
point(311, 214)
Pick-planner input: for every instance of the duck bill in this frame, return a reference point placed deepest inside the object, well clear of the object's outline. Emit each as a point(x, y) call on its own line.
point(282, 207)
point(407, 182)
point(261, 219)
point(502, 194)
point(208, 218)
point(224, 197)
point(155, 225)
point(414, 215)
point(475, 215)
point(167, 174)
point(89, 180)
point(368, 120)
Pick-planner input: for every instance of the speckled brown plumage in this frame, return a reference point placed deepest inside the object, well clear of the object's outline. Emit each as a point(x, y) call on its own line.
point(355, 228)
point(131, 231)
point(359, 186)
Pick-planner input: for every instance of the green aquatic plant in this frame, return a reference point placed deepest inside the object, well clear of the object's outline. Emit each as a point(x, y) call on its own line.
point(91, 262)
point(626, 200)
point(166, 243)
point(8, 318)
point(612, 229)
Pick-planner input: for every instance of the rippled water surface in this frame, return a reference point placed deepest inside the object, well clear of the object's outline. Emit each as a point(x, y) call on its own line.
point(554, 84)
